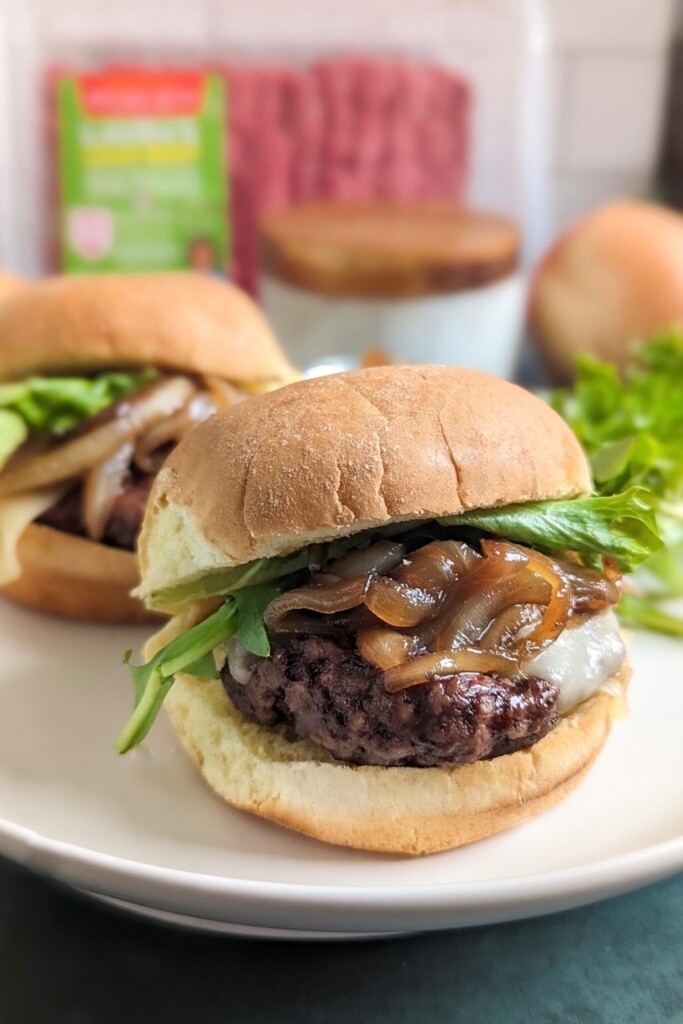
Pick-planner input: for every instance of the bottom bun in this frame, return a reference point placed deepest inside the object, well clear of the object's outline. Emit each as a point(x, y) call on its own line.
point(76, 577)
point(290, 781)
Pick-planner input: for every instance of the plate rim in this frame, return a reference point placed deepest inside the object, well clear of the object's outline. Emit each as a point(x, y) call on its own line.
point(607, 874)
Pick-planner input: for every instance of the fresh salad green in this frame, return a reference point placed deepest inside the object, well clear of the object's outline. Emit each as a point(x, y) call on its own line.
point(13, 433)
point(621, 526)
point(642, 611)
point(631, 427)
point(240, 616)
point(55, 405)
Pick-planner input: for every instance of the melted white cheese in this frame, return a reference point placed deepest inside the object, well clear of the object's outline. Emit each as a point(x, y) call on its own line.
point(581, 659)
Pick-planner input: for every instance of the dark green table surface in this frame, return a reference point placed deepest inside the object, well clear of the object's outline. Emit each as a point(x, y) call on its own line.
point(68, 961)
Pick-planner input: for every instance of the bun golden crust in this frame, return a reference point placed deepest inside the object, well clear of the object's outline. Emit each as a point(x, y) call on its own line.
point(76, 577)
point(330, 457)
point(181, 321)
point(387, 810)
point(614, 277)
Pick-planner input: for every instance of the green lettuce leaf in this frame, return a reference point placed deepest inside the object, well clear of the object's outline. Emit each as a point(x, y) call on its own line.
point(204, 667)
point(260, 571)
point(622, 526)
point(241, 616)
point(13, 433)
point(57, 404)
point(643, 612)
point(230, 581)
point(154, 679)
point(631, 427)
point(251, 605)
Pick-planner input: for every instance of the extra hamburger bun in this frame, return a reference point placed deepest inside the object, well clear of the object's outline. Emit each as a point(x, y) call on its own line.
point(174, 321)
point(615, 276)
point(328, 458)
point(182, 321)
point(9, 284)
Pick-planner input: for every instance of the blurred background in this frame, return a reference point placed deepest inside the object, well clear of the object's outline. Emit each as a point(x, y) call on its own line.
point(140, 135)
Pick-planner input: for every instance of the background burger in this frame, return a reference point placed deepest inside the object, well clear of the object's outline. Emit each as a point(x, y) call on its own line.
point(101, 377)
point(391, 587)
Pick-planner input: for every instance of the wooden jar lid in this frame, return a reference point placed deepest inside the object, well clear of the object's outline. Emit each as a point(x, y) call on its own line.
point(388, 249)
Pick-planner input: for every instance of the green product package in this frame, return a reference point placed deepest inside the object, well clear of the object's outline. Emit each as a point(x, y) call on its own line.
point(142, 170)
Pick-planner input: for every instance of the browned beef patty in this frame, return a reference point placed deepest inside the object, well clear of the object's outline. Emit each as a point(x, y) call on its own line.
point(330, 695)
point(124, 522)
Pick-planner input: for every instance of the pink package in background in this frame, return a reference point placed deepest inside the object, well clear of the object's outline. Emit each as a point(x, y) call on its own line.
point(345, 128)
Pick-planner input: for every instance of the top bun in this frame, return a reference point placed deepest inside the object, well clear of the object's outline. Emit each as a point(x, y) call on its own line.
point(329, 457)
point(175, 321)
point(615, 276)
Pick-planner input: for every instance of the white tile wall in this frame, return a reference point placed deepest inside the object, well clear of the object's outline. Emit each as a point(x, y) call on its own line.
point(611, 24)
point(607, 91)
point(612, 111)
point(575, 194)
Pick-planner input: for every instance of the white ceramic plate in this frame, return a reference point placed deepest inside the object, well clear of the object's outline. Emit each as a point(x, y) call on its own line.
point(144, 830)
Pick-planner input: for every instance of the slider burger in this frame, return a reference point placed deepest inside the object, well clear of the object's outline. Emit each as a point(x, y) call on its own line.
point(99, 378)
point(394, 606)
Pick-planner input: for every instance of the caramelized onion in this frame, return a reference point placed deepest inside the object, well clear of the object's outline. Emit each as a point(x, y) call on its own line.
point(558, 607)
point(324, 598)
point(398, 604)
point(476, 614)
point(70, 459)
point(487, 573)
point(384, 648)
point(326, 578)
point(591, 590)
point(436, 563)
point(317, 556)
point(510, 626)
point(332, 624)
point(240, 661)
point(465, 612)
point(223, 393)
point(430, 667)
point(416, 589)
point(378, 558)
point(101, 487)
point(149, 447)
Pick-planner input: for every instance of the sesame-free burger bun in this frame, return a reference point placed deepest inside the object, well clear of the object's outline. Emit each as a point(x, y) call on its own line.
point(614, 277)
point(76, 577)
point(174, 321)
point(388, 810)
point(330, 457)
